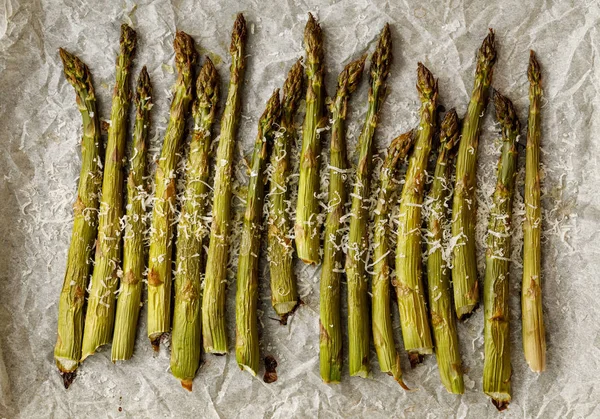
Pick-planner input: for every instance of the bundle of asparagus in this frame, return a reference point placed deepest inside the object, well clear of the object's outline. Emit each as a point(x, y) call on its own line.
point(100, 314)
point(330, 353)
point(284, 295)
point(306, 227)
point(134, 261)
point(358, 241)
point(496, 368)
point(443, 320)
point(67, 352)
point(383, 337)
point(464, 210)
point(161, 231)
point(534, 337)
point(409, 283)
point(213, 301)
point(185, 337)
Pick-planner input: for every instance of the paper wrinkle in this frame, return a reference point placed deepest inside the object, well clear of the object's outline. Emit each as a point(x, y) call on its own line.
point(40, 161)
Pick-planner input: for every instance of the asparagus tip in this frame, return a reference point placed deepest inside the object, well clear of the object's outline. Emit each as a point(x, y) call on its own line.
point(272, 112)
point(399, 148)
point(382, 57)
point(313, 38)
point(128, 40)
point(239, 34)
point(352, 73)
point(143, 94)
point(76, 72)
point(533, 72)
point(185, 52)
point(207, 84)
point(487, 52)
point(505, 112)
point(426, 83)
point(292, 88)
point(449, 129)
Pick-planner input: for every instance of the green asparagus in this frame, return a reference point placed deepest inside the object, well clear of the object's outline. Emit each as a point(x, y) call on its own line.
point(67, 351)
point(410, 290)
point(358, 242)
point(100, 314)
point(161, 231)
point(306, 227)
point(185, 338)
point(383, 336)
point(246, 298)
point(534, 335)
point(496, 368)
point(213, 301)
point(464, 207)
point(129, 302)
point(284, 295)
point(443, 319)
point(330, 353)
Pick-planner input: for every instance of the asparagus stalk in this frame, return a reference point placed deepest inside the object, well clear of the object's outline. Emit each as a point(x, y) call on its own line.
point(213, 301)
point(100, 314)
point(330, 352)
point(306, 227)
point(441, 308)
point(67, 351)
point(161, 231)
point(409, 282)
point(284, 295)
point(246, 299)
point(185, 338)
point(464, 210)
point(383, 336)
point(358, 243)
point(534, 338)
point(496, 367)
point(129, 302)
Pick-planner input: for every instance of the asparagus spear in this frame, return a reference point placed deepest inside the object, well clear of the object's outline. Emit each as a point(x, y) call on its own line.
point(441, 308)
point(496, 367)
point(129, 302)
point(100, 314)
point(306, 227)
point(246, 298)
point(67, 351)
point(330, 353)
point(358, 243)
point(534, 338)
point(161, 231)
point(213, 301)
point(284, 295)
point(185, 338)
point(464, 211)
point(383, 337)
point(409, 282)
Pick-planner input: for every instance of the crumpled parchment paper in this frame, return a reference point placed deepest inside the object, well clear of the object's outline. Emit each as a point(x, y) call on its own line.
point(40, 160)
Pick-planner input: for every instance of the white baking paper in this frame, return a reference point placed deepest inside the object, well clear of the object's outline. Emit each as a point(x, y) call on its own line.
point(40, 160)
